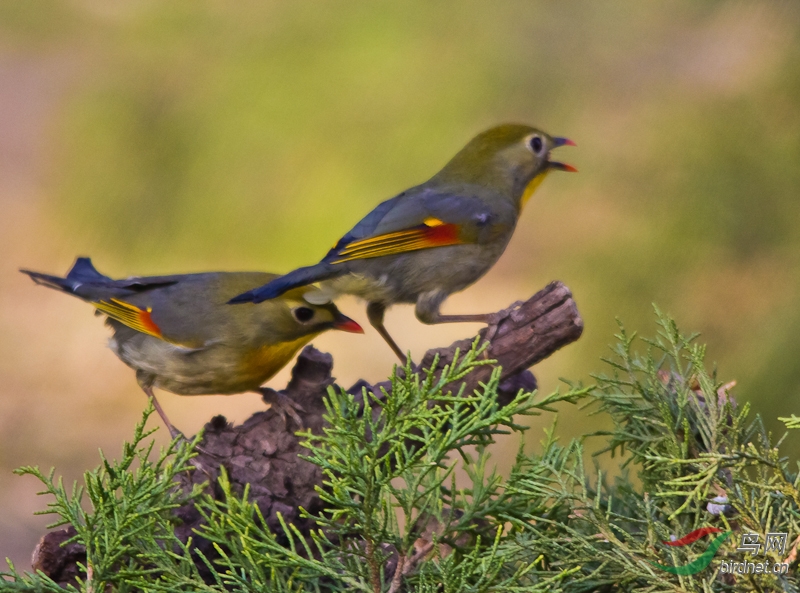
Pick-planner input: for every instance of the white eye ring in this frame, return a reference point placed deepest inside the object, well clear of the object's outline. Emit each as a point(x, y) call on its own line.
point(536, 144)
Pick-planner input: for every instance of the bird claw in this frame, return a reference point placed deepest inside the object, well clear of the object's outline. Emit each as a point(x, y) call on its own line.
point(283, 405)
point(495, 319)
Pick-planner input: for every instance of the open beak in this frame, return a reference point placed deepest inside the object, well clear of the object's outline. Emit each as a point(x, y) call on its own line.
point(561, 166)
point(345, 324)
point(561, 141)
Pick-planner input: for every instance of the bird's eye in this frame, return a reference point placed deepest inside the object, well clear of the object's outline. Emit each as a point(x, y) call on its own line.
point(303, 314)
point(537, 145)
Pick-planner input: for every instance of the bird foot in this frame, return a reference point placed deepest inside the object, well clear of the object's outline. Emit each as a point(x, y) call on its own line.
point(283, 405)
point(494, 320)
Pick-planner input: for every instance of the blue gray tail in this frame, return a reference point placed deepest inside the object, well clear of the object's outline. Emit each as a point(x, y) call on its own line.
point(82, 272)
point(299, 277)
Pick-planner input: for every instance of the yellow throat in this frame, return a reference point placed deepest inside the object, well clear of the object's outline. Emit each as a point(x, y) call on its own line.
point(532, 187)
point(263, 363)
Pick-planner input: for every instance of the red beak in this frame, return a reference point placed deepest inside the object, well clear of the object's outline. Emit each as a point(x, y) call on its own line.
point(561, 141)
point(562, 166)
point(345, 324)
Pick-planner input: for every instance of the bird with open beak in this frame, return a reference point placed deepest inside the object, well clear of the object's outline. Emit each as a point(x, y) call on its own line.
point(436, 238)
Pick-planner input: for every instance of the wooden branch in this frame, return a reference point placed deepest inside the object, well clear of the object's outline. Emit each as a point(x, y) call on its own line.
point(527, 333)
point(263, 452)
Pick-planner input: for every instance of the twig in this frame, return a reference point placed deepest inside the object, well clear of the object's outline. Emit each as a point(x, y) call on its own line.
point(398, 574)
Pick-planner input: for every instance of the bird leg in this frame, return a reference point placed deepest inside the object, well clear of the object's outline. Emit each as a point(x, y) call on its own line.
point(487, 318)
point(173, 432)
point(282, 404)
point(375, 313)
point(427, 312)
point(490, 319)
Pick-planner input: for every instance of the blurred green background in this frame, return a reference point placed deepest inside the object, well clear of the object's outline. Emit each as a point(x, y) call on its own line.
point(197, 135)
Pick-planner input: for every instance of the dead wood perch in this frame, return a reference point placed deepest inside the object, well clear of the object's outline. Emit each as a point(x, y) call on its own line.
point(263, 451)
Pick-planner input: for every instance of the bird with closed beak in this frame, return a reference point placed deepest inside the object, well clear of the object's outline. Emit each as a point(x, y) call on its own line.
point(178, 333)
point(436, 238)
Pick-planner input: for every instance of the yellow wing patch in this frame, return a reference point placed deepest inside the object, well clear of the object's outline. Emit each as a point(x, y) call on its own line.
point(130, 315)
point(432, 222)
point(434, 233)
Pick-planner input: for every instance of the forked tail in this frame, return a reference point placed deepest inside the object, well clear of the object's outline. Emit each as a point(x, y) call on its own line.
point(82, 272)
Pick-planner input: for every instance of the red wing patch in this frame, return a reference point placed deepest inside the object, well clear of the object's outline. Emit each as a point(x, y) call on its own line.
point(130, 315)
point(434, 233)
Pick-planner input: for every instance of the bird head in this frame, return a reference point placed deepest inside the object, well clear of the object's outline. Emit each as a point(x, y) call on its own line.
point(297, 316)
point(512, 158)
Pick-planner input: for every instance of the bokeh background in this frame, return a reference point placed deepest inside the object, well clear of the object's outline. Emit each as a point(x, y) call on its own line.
point(193, 135)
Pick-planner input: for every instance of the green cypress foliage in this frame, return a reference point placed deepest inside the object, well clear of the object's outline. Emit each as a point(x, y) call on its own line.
point(395, 519)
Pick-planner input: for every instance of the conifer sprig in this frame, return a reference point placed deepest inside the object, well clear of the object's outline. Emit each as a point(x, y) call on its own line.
point(396, 519)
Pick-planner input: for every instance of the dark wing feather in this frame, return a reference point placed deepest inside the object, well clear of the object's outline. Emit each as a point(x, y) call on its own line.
point(417, 219)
